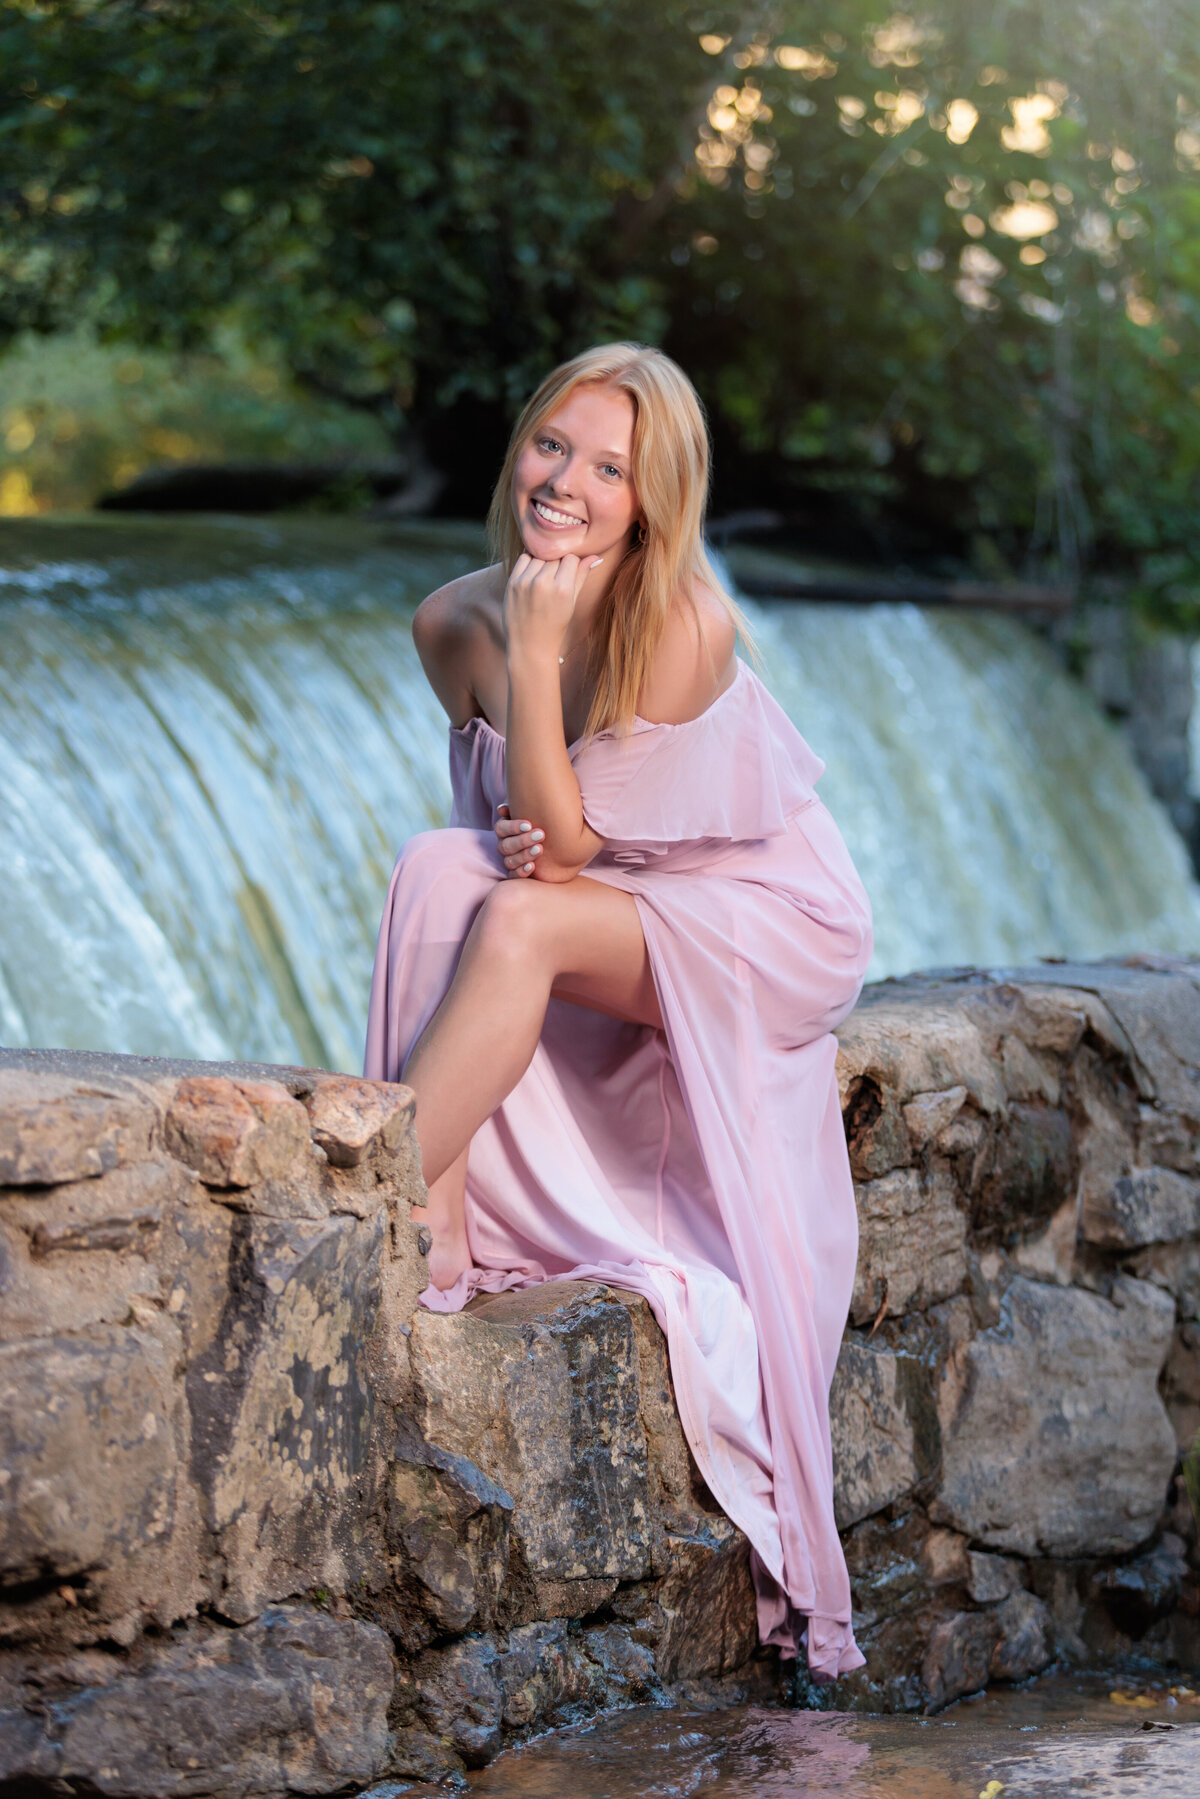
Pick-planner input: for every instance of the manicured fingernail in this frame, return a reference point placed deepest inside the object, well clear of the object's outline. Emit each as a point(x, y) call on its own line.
point(528, 867)
point(596, 561)
point(525, 825)
point(538, 836)
point(536, 850)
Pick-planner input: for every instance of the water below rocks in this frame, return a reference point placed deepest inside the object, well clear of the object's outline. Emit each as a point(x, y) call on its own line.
point(1059, 1737)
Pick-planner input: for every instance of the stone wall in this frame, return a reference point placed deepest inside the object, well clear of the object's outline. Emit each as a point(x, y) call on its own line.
point(267, 1526)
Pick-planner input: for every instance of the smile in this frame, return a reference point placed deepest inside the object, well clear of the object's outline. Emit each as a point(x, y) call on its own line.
point(550, 517)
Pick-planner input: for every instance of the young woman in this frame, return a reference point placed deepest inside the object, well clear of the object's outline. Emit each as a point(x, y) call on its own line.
point(612, 981)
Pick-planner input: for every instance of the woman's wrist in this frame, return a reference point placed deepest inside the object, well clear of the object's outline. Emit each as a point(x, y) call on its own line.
point(531, 661)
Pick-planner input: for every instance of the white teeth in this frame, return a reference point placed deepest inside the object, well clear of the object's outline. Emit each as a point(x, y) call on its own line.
point(555, 518)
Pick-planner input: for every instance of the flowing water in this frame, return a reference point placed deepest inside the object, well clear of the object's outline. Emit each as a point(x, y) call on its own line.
point(215, 734)
point(1061, 1737)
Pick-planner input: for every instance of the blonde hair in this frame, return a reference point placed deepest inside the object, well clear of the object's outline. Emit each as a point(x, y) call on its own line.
point(670, 470)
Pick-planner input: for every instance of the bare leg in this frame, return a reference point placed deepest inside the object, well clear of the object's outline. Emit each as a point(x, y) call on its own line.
point(579, 939)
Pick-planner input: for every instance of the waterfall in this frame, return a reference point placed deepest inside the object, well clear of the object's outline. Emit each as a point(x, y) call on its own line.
point(215, 734)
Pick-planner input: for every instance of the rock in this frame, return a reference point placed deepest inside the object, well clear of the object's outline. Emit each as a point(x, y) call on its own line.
point(1027, 1174)
point(1166, 1140)
point(1051, 1254)
point(945, 1558)
point(235, 1133)
point(875, 1129)
point(992, 1577)
point(1147, 1205)
point(958, 1657)
point(874, 1451)
point(449, 1526)
point(929, 1113)
point(917, 1038)
point(53, 1129)
point(912, 1243)
point(1175, 1267)
point(282, 1406)
point(455, 1694)
point(545, 1676)
point(351, 1118)
point(631, 1676)
point(1026, 1641)
point(87, 1448)
point(708, 1609)
point(1155, 1009)
point(81, 1253)
point(893, 1568)
point(1141, 1592)
point(1181, 1386)
point(1059, 1444)
point(1028, 1076)
point(293, 1702)
point(540, 1389)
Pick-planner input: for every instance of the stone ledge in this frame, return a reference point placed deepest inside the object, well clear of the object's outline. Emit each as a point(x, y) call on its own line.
point(241, 1466)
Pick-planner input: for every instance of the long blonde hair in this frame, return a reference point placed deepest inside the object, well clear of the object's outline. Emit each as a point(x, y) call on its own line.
point(670, 470)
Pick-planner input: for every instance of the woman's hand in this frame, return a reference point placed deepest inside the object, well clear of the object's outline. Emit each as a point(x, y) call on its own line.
point(519, 843)
point(539, 602)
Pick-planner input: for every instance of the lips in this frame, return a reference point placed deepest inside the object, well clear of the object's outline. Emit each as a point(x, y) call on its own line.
point(550, 516)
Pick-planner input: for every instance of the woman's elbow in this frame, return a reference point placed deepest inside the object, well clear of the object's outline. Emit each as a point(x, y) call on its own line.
point(548, 870)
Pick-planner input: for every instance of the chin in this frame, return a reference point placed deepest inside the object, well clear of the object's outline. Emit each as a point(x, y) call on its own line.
point(548, 546)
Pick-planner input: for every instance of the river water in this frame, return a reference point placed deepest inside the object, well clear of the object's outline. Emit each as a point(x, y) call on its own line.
point(1060, 1737)
point(215, 735)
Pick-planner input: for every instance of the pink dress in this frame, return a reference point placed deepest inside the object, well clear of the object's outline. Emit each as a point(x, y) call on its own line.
point(705, 1167)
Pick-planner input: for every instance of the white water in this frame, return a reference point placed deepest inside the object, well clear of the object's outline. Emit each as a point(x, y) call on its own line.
point(214, 736)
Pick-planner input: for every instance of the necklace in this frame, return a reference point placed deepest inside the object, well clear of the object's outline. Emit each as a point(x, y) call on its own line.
point(570, 652)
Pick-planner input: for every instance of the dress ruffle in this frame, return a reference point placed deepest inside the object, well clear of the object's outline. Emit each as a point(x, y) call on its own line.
point(641, 789)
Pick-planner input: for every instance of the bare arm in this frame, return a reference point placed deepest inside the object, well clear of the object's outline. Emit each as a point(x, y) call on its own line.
point(538, 604)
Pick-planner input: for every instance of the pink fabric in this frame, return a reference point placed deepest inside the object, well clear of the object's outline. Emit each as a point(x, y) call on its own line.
point(704, 1167)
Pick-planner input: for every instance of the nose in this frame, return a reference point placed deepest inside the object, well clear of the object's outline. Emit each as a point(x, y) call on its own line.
point(563, 484)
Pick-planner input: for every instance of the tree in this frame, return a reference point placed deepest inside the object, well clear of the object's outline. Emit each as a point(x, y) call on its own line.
point(943, 263)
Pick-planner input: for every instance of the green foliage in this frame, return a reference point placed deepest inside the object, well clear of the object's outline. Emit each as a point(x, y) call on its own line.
point(948, 262)
point(78, 419)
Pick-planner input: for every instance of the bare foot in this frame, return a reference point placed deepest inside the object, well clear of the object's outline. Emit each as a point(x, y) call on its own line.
point(449, 1256)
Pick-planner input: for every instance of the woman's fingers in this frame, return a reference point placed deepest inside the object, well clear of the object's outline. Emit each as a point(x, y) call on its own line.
point(520, 842)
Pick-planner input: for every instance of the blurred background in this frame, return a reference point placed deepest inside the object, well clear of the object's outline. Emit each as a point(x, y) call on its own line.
point(273, 281)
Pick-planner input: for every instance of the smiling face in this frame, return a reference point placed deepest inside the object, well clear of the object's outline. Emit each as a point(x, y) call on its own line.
point(572, 489)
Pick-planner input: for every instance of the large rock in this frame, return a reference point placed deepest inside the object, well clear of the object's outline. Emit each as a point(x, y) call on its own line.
point(1147, 1205)
point(1056, 1441)
point(876, 1447)
point(540, 1389)
point(291, 1703)
point(88, 1448)
point(912, 1243)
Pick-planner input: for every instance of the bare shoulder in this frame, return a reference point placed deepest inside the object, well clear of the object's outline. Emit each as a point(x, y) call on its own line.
point(454, 629)
point(459, 609)
point(695, 661)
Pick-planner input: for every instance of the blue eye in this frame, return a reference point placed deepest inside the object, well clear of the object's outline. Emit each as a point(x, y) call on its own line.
point(609, 468)
point(551, 443)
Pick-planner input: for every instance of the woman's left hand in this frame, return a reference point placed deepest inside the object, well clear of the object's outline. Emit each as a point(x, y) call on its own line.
point(520, 843)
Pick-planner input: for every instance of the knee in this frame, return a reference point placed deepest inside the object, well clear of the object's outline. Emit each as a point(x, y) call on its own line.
point(512, 922)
